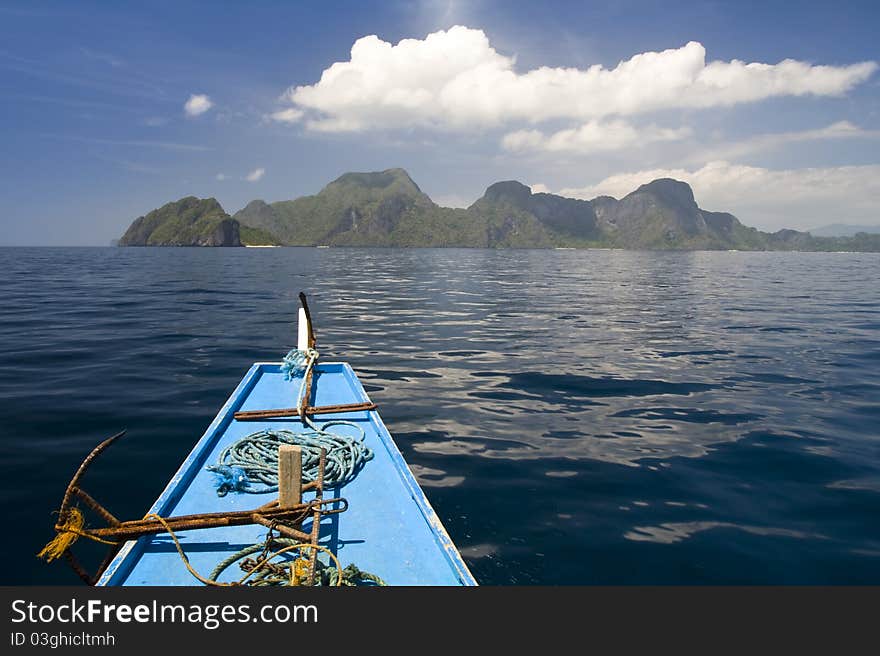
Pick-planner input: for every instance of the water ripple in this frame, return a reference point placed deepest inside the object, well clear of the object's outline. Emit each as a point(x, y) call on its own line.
point(574, 416)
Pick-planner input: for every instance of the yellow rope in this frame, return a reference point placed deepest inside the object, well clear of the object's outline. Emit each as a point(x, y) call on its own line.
point(305, 545)
point(262, 563)
point(183, 557)
point(67, 534)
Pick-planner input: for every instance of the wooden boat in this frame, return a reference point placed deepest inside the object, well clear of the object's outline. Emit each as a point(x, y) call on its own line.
point(388, 527)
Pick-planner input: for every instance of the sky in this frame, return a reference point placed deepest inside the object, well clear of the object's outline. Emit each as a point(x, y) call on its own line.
point(769, 110)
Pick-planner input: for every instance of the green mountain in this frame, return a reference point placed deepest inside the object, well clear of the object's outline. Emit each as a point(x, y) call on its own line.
point(512, 216)
point(193, 221)
point(362, 209)
point(256, 237)
point(663, 214)
point(189, 221)
point(387, 208)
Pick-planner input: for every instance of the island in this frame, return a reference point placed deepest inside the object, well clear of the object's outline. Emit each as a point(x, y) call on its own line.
point(387, 208)
point(192, 221)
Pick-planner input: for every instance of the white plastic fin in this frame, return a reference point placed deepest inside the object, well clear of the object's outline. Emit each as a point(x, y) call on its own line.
point(302, 339)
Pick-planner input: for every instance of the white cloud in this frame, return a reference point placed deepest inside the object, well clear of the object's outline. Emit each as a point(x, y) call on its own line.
point(540, 188)
point(289, 115)
point(603, 136)
point(166, 145)
point(594, 136)
point(255, 175)
point(452, 200)
point(766, 198)
point(221, 177)
point(197, 104)
point(455, 79)
point(763, 142)
point(105, 57)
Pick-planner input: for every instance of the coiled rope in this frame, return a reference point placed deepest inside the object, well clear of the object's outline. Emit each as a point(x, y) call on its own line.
point(253, 460)
point(295, 573)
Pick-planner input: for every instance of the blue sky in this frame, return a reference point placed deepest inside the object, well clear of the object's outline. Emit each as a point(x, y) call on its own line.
point(112, 109)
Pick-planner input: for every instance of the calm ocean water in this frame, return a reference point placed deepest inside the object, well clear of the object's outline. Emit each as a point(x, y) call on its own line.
point(574, 416)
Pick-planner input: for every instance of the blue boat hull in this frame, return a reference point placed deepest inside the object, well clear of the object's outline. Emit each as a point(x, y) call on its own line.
point(389, 529)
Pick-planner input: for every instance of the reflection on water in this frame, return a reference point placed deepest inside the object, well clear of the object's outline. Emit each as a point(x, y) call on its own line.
point(676, 532)
point(574, 416)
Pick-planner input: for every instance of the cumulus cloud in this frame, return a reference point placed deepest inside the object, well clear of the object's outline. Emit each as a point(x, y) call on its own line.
point(763, 142)
point(289, 115)
point(591, 137)
point(455, 79)
point(255, 175)
point(197, 104)
point(766, 198)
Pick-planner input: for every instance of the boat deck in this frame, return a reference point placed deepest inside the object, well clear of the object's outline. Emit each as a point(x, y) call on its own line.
point(389, 528)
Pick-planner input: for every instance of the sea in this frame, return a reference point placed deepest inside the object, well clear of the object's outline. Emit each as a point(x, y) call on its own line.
point(575, 417)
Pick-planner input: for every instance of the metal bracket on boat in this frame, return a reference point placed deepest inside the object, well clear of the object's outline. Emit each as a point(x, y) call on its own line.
point(254, 415)
point(71, 525)
point(306, 341)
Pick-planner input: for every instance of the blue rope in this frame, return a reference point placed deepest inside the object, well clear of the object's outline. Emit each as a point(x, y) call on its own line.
point(296, 361)
point(251, 463)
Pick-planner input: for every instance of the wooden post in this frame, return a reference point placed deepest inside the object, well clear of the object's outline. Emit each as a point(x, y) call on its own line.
point(289, 475)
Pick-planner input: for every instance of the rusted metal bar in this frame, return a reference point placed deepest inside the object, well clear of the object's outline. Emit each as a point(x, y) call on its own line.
point(231, 514)
point(76, 567)
point(316, 517)
point(287, 531)
point(111, 554)
point(306, 401)
point(97, 507)
point(251, 415)
point(74, 482)
point(133, 529)
point(273, 505)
